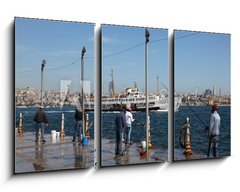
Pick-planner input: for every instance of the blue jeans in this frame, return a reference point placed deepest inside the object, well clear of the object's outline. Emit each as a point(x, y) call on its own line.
point(38, 127)
point(127, 133)
point(213, 146)
point(118, 149)
point(77, 130)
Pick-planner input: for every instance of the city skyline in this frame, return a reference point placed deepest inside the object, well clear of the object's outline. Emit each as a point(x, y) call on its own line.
point(60, 43)
point(201, 61)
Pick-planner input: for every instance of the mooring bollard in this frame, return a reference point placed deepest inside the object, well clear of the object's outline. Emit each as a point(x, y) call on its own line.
point(20, 131)
point(188, 150)
point(149, 136)
point(87, 127)
point(62, 134)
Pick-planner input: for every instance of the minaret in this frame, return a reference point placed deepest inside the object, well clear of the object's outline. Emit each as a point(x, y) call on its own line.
point(113, 89)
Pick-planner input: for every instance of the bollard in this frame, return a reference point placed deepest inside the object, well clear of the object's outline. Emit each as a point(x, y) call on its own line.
point(87, 127)
point(62, 134)
point(20, 131)
point(149, 136)
point(188, 150)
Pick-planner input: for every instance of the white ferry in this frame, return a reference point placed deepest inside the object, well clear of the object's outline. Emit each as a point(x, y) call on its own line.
point(135, 99)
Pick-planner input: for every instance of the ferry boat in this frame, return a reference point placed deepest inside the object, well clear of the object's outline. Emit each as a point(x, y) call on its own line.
point(131, 97)
point(135, 99)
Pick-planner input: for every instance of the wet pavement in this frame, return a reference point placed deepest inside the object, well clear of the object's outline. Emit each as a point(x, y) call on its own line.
point(180, 156)
point(55, 154)
point(63, 154)
point(130, 156)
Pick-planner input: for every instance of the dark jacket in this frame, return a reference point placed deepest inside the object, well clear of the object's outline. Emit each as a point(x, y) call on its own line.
point(120, 121)
point(40, 117)
point(78, 115)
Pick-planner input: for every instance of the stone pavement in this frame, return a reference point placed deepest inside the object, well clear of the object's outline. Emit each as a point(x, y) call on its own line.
point(131, 156)
point(55, 154)
point(180, 156)
point(58, 154)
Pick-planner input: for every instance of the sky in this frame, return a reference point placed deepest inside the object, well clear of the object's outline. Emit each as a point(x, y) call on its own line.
point(123, 51)
point(60, 44)
point(201, 61)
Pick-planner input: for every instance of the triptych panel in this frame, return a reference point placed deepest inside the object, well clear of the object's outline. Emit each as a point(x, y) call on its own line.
point(55, 97)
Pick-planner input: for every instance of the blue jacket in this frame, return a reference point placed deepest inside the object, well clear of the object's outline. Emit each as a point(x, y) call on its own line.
point(120, 121)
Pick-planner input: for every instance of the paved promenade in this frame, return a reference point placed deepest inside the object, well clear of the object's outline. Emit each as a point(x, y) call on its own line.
point(55, 154)
point(63, 154)
point(131, 156)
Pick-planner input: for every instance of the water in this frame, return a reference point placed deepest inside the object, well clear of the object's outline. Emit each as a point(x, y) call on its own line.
point(199, 139)
point(54, 115)
point(158, 121)
point(158, 130)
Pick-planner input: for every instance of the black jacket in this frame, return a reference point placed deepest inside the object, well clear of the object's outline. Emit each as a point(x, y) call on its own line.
point(40, 117)
point(78, 116)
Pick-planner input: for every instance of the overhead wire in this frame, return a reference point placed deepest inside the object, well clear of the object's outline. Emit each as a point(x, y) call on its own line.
point(110, 55)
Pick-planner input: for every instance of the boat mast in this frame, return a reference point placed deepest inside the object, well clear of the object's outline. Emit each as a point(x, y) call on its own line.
point(158, 86)
point(113, 90)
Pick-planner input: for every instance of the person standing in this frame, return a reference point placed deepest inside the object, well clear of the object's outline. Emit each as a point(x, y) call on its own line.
point(120, 124)
point(78, 125)
point(213, 132)
point(42, 122)
point(128, 126)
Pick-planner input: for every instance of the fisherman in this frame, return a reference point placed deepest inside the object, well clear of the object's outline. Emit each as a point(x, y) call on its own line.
point(128, 126)
point(213, 132)
point(120, 124)
point(42, 122)
point(78, 125)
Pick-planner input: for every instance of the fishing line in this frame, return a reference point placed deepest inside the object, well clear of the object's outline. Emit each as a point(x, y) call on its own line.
point(198, 117)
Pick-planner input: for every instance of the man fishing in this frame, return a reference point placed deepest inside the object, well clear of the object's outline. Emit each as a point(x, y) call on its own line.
point(120, 125)
point(213, 132)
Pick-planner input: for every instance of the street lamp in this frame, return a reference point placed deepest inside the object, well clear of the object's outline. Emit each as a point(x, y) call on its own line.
point(146, 85)
point(42, 67)
point(82, 77)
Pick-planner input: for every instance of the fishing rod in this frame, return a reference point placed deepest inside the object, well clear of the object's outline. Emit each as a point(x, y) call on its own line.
point(197, 116)
point(132, 143)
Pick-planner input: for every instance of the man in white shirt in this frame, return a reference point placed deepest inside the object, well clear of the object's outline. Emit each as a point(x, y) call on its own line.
point(213, 132)
point(128, 125)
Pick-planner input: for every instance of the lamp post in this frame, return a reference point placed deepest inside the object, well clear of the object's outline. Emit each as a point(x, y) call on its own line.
point(146, 85)
point(42, 67)
point(82, 78)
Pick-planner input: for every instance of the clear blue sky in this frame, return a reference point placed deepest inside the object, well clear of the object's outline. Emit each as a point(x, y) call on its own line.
point(202, 60)
point(60, 44)
point(123, 50)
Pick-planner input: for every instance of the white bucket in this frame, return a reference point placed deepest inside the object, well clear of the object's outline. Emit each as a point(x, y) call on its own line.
point(57, 134)
point(53, 133)
point(144, 144)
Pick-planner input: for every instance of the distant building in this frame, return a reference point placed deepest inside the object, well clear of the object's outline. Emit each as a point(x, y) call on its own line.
point(220, 92)
point(208, 93)
point(214, 91)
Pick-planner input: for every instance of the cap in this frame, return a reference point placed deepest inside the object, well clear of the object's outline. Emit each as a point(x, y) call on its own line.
point(129, 109)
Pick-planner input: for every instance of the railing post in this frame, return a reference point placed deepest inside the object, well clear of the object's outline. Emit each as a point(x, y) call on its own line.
point(188, 150)
point(62, 134)
point(20, 131)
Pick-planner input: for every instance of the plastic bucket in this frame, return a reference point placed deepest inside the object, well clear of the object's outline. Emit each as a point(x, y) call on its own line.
point(144, 146)
point(57, 134)
point(53, 133)
point(84, 140)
